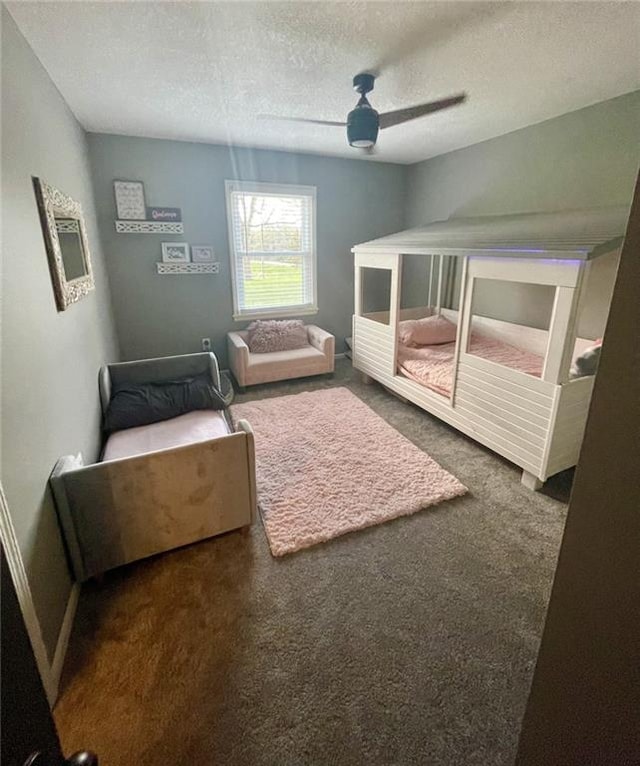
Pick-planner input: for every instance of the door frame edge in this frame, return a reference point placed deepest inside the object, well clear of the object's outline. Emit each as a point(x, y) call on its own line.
point(25, 599)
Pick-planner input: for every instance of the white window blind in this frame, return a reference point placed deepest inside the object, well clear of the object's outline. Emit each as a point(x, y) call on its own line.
point(273, 252)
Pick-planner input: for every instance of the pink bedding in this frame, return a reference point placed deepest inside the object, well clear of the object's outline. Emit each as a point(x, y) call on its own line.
point(432, 366)
point(193, 427)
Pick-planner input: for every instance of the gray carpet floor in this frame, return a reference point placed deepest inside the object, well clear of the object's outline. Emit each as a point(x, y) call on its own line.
point(412, 642)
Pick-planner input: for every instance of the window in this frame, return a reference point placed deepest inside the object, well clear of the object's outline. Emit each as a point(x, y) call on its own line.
point(272, 238)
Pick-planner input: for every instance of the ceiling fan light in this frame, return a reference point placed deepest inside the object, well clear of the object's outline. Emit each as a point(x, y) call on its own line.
point(362, 127)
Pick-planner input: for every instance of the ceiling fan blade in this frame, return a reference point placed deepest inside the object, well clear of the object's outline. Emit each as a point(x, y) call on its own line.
point(428, 28)
point(389, 119)
point(330, 123)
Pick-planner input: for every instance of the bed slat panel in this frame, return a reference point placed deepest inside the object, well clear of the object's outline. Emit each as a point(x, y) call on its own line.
point(567, 435)
point(439, 406)
point(373, 347)
point(509, 413)
point(373, 342)
point(578, 391)
point(509, 401)
point(371, 359)
point(533, 449)
point(503, 418)
point(568, 428)
point(477, 372)
point(514, 377)
point(374, 369)
point(372, 328)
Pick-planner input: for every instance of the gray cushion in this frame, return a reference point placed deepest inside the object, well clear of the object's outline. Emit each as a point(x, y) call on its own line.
point(141, 404)
point(161, 369)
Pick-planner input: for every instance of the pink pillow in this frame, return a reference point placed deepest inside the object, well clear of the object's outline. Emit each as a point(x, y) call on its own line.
point(429, 331)
point(276, 335)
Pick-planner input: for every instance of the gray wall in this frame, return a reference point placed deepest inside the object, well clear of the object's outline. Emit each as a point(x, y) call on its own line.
point(158, 315)
point(50, 360)
point(587, 158)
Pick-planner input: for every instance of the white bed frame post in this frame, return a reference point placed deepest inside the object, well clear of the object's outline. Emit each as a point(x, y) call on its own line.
point(439, 293)
point(464, 311)
point(431, 270)
point(357, 301)
point(396, 283)
point(357, 312)
point(562, 330)
point(530, 481)
point(394, 307)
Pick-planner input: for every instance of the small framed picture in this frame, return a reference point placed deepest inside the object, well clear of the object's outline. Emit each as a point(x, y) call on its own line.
point(202, 254)
point(175, 252)
point(130, 203)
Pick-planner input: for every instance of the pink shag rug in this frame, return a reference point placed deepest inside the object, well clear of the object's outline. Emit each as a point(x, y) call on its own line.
point(326, 465)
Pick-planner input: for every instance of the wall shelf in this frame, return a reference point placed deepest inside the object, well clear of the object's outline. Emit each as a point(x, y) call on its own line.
point(188, 268)
point(149, 227)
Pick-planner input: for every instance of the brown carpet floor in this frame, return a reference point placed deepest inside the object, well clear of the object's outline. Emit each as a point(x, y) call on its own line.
point(408, 643)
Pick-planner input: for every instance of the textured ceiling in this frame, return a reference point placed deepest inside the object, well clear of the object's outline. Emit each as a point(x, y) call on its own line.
point(204, 71)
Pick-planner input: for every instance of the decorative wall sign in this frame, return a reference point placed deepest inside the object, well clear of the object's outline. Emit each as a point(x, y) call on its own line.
point(202, 254)
point(130, 202)
point(148, 227)
point(188, 268)
point(175, 252)
point(170, 214)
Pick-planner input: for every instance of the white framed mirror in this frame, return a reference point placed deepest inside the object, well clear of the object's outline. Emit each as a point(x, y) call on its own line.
point(66, 243)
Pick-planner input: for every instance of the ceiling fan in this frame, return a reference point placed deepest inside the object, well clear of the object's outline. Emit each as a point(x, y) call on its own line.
point(363, 122)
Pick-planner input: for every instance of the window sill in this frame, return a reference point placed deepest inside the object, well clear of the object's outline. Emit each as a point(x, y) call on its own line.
point(248, 317)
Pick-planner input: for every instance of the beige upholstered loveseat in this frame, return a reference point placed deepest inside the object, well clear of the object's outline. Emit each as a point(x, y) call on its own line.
point(250, 368)
point(158, 486)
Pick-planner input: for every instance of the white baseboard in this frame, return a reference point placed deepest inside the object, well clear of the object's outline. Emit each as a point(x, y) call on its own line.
point(339, 356)
point(64, 636)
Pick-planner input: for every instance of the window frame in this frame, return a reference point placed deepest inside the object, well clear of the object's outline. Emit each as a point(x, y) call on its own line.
point(283, 190)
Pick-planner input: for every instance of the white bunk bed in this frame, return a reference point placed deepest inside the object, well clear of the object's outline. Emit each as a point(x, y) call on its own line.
point(535, 421)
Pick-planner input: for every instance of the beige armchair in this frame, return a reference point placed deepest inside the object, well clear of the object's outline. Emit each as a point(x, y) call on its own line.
point(250, 369)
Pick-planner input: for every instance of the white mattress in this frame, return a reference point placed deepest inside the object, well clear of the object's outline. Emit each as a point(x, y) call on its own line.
point(193, 427)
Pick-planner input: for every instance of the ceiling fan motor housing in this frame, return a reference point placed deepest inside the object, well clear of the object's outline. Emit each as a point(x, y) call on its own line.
point(362, 126)
point(363, 83)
